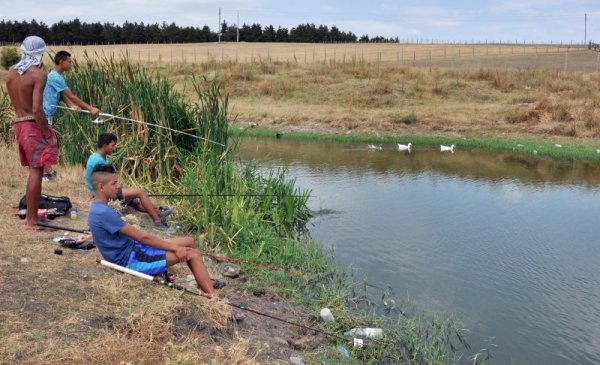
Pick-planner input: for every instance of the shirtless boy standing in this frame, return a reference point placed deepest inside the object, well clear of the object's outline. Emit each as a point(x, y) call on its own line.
point(36, 139)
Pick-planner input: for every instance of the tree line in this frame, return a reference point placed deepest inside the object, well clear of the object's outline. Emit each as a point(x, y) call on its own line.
point(77, 32)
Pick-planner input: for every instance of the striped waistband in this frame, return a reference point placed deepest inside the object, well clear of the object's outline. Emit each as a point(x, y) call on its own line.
point(27, 118)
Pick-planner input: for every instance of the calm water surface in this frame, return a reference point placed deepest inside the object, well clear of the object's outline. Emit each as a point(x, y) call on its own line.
point(507, 242)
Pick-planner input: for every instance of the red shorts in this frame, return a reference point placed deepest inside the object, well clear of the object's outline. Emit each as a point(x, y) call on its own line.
point(34, 151)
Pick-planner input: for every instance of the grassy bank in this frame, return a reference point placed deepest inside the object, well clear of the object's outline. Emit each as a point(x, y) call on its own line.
point(262, 221)
point(362, 98)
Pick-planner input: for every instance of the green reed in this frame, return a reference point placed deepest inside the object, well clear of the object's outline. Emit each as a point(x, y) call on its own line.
point(167, 162)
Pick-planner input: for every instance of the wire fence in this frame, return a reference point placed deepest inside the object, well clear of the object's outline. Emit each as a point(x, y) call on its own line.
point(569, 57)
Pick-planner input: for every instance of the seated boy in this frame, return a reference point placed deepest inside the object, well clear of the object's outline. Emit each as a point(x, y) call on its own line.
point(127, 246)
point(106, 146)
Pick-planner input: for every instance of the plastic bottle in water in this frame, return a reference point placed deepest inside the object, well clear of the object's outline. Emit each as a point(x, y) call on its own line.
point(365, 332)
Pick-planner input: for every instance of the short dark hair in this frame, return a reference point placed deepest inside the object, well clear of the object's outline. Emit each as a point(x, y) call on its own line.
point(60, 56)
point(106, 138)
point(100, 174)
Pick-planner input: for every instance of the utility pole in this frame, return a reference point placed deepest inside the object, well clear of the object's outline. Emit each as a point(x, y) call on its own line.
point(237, 26)
point(219, 28)
point(585, 30)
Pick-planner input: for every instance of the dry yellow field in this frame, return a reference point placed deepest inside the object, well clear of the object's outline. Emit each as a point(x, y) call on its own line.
point(493, 90)
point(304, 53)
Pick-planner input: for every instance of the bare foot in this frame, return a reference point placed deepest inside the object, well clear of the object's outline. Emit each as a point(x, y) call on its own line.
point(36, 228)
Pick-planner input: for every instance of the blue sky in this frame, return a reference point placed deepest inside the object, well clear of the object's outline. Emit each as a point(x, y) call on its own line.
point(460, 20)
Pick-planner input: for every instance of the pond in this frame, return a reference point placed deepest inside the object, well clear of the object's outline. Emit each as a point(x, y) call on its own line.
point(507, 242)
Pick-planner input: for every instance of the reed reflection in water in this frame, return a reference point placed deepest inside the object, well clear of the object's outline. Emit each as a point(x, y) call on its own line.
point(508, 242)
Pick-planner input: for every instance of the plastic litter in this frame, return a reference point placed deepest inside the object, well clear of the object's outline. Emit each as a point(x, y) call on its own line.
point(326, 315)
point(372, 333)
point(343, 350)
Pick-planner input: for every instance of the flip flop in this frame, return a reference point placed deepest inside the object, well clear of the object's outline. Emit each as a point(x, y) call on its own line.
point(218, 283)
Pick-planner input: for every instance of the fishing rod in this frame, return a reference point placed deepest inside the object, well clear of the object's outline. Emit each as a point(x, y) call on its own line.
point(161, 280)
point(99, 120)
point(61, 228)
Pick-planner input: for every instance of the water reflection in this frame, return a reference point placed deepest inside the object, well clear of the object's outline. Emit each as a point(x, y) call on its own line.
point(507, 241)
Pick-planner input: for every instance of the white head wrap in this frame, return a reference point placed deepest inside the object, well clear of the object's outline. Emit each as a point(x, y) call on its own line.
point(32, 51)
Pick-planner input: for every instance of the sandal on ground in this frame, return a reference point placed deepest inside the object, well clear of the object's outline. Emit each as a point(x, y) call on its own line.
point(218, 283)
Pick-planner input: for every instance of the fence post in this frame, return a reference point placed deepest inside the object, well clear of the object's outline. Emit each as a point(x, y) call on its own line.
point(597, 61)
point(566, 60)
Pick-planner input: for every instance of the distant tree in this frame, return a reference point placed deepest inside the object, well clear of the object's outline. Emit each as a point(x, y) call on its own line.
point(282, 35)
point(269, 34)
point(78, 32)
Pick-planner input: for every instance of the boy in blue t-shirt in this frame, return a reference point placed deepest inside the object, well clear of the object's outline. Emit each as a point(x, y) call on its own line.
point(106, 145)
point(125, 245)
point(56, 88)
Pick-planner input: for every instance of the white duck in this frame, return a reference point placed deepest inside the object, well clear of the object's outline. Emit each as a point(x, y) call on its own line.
point(447, 149)
point(404, 147)
point(374, 147)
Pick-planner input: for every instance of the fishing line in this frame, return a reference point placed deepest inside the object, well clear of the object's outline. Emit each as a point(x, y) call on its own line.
point(162, 281)
point(111, 116)
point(211, 255)
point(224, 195)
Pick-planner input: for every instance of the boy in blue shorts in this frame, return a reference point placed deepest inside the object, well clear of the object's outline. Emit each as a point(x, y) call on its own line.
point(56, 88)
point(125, 245)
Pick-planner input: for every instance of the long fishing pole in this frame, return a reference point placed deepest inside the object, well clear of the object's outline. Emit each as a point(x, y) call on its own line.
point(61, 228)
point(162, 281)
point(111, 116)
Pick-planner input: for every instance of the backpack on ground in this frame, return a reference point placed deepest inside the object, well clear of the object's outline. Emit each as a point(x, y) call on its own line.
point(62, 204)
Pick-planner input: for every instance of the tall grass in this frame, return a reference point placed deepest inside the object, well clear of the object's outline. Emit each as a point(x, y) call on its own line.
point(6, 113)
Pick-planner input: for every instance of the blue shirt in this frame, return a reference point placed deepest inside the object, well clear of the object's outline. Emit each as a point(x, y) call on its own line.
point(95, 159)
point(105, 224)
point(55, 85)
